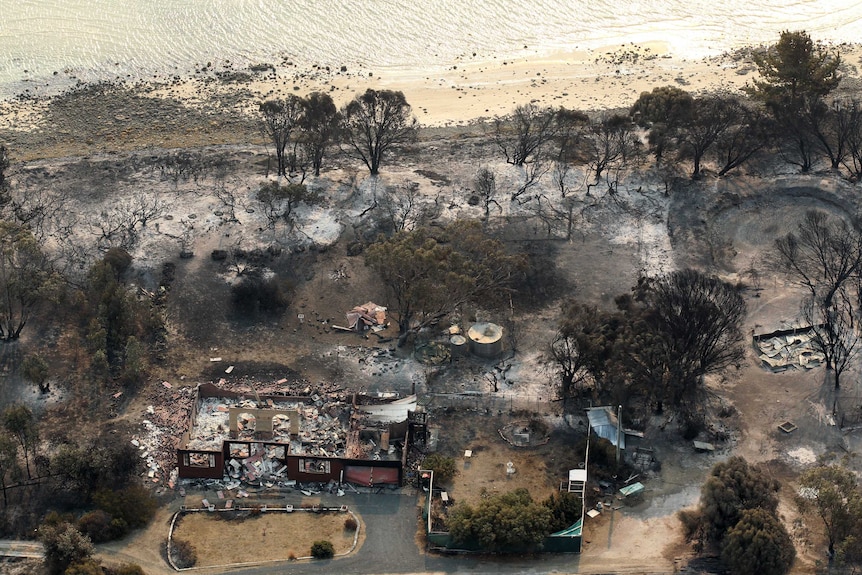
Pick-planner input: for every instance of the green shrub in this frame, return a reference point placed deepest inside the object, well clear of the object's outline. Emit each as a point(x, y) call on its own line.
point(183, 553)
point(444, 468)
point(118, 259)
point(350, 524)
point(64, 546)
point(87, 567)
point(506, 522)
point(55, 518)
point(96, 525)
point(758, 545)
point(732, 487)
point(322, 550)
point(692, 523)
point(119, 528)
point(125, 569)
point(134, 505)
point(565, 510)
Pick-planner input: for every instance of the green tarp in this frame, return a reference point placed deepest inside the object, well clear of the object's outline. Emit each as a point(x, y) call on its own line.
point(573, 531)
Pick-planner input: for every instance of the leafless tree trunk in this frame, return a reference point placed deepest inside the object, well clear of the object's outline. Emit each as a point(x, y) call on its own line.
point(485, 185)
point(522, 135)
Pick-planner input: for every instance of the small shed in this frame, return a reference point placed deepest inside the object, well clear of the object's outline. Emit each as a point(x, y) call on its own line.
point(486, 339)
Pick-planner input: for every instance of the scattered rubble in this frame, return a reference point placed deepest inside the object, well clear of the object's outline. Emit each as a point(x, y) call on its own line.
point(158, 440)
point(788, 349)
point(367, 316)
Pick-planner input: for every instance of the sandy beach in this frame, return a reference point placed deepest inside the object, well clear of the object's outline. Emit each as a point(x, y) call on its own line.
point(218, 104)
point(474, 89)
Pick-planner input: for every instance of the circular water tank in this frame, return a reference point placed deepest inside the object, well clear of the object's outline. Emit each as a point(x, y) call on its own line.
point(458, 345)
point(486, 339)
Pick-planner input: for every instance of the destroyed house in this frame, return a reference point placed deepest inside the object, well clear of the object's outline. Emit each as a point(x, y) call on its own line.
point(263, 439)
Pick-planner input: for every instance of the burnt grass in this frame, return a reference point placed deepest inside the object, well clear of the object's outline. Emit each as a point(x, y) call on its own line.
point(107, 135)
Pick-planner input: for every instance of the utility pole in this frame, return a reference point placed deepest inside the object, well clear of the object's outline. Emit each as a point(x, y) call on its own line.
point(619, 430)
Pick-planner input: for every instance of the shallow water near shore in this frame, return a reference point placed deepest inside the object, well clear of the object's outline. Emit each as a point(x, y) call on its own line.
point(47, 45)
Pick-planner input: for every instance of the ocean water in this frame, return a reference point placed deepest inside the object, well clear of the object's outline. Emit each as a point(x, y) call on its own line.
point(45, 44)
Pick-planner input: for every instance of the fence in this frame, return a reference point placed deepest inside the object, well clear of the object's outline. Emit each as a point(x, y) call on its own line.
point(494, 403)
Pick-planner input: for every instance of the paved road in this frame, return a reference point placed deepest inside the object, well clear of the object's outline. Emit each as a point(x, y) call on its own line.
point(9, 548)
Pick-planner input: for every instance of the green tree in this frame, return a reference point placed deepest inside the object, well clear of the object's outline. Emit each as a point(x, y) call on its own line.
point(26, 278)
point(711, 116)
point(280, 120)
point(744, 139)
point(831, 492)
point(582, 345)
point(18, 420)
point(665, 337)
point(566, 509)
point(125, 569)
point(64, 546)
point(90, 466)
point(663, 111)
point(134, 505)
point(758, 545)
point(97, 525)
point(795, 68)
point(134, 361)
point(796, 76)
point(88, 566)
point(429, 273)
point(733, 486)
point(376, 121)
point(8, 461)
point(697, 323)
point(505, 522)
point(319, 127)
point(35, 370)
point(114, 314)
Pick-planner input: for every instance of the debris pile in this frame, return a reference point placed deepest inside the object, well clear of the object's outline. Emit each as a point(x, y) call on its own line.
point(158, 440)
point(367, 316)
point(321, 431)
point(781, 351)
point(263, 465)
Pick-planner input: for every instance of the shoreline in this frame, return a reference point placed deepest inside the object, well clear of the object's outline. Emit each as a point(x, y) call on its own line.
point(473, 90)
point(222, 101)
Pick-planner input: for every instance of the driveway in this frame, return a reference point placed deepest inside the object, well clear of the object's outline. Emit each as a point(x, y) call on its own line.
point(390, 547)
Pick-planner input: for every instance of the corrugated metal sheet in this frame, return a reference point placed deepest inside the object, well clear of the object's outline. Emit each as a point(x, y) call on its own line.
point(603, 421)
point(392, 412)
